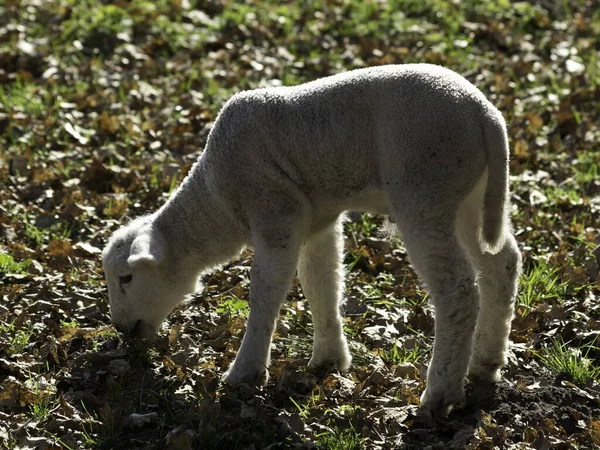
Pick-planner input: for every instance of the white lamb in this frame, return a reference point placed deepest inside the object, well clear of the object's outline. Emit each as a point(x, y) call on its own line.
point(416, 142)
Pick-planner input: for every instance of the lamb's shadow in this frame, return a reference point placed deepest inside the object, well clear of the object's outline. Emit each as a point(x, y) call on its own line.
point(241, 415)
point(131, 399)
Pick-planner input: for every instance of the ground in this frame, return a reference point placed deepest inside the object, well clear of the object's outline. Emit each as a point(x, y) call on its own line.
point(104, 107)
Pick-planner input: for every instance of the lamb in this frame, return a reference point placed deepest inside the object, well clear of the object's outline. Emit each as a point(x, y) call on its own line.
point(416, 142)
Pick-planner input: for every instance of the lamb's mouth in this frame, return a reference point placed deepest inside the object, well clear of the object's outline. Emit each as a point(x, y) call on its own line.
point(141, 330)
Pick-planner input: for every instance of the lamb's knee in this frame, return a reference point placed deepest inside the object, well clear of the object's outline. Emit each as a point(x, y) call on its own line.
point(459, 302)
point(513, 258)
point(503, 268)
point(463, 286)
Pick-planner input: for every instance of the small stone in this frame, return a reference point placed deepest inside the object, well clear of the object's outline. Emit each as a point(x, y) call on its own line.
point(405, 370)
point(140, 420)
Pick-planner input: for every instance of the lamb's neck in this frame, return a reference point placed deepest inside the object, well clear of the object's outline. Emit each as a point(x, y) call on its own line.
point(200, 232)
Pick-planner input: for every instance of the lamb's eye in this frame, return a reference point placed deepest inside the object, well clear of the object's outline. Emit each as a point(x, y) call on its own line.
point(125, 279)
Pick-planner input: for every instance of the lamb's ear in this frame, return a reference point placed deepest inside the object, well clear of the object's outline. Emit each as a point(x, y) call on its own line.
point(147, 248)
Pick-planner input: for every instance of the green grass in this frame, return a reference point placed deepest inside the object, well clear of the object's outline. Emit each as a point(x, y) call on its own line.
point(373, 294)
point(21, 97)
point(353, 259)
point(378, 290)
point(105, 26)
point(587, 167)
point(341, 439)
point(20, 338)
point(38, 236)
point(68, 323)
point(313, 400)
point(400, 355)
point(44, 402)
point(234, 306)
point(573, 361)
point(94, 430)
point(140, 71)
point(33, 233)
point(102, 22)
point(160, 179)
point(540, 283)
point(366, 226)
point(9, 265)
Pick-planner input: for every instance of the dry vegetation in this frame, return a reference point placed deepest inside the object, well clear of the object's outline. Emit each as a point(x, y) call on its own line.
point(105, 105)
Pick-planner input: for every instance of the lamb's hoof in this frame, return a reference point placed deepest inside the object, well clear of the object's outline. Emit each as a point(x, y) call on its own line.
point(339, 358)
point(488, 371)
point(322, 369)
point(436, 406)
point(328, 364)
point(234, 377)
point(429, 415)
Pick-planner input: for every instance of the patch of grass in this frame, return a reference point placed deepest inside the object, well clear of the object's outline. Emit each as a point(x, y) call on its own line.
point(93, 23)
point(353, 258)
point(312, 401)
point(9, 265)
point(366, 226)
point(89, 436)
point(160, 180)
point(587, 167)
point(19, 338)
point(42, 235)
point(43, 404)
point(573, 361)
point(539, 283)
point(68, 323)
point(400, 355)
point(341, 439)
point(176, 34)
point(234, 306)
point(33, 234)
point(562, 195)
point(296, 345)
point(385, 280)
point(22, 97)
point(378, 291)
point(298, 318)
point(372, 294)
point(96, 431)
point(20, 341)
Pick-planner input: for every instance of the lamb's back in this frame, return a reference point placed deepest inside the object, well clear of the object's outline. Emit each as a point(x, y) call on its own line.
point(332, 135)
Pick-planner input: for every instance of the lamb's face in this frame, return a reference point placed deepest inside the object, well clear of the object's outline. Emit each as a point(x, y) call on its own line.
point(141, 292)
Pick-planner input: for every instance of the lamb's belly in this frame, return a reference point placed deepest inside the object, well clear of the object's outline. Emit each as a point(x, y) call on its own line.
point(372, 201)
point(327, 209)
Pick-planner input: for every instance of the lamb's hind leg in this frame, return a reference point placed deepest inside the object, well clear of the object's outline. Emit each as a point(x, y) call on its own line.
point(498, 278)
point(498, 282)
point(441, 262)
point(321, 274)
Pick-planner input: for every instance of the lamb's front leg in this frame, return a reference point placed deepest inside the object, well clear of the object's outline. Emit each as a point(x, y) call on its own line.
point(272, 271)
point(321, 273)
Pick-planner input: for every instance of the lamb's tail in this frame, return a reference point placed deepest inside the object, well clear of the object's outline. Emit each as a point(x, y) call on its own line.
point(495, 201)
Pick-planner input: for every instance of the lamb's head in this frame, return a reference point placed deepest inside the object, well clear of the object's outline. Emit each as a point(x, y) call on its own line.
point(142, 286)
